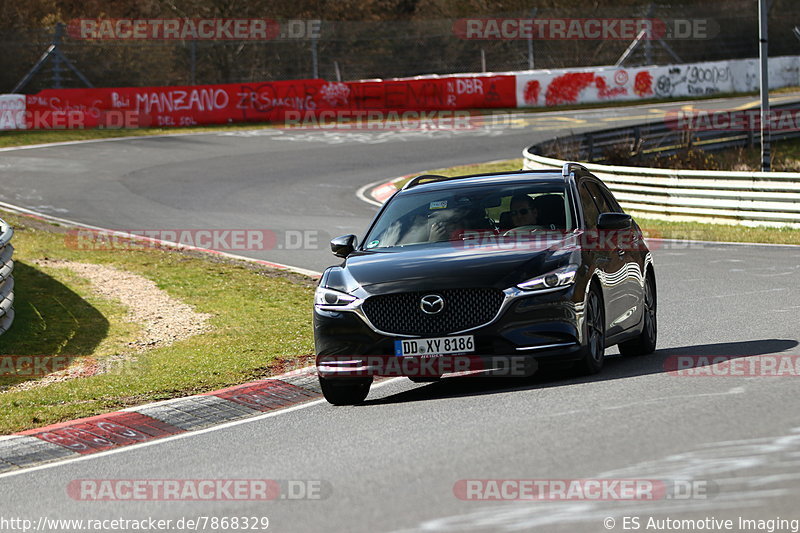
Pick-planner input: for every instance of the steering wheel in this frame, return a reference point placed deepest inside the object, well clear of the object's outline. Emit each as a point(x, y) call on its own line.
point(518, 229)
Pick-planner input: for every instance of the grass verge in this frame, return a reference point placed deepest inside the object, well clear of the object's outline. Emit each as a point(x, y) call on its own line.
point(24, 137)
point(477, 168)
point(662, 228)
point(261, 326)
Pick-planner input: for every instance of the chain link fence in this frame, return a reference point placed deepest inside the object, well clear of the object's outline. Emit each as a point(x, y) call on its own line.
point(362, 50)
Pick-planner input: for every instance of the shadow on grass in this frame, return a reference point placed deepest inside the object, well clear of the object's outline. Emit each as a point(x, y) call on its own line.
point(51, 321)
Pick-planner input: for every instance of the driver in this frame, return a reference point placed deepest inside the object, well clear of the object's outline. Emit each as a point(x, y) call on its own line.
point(445, 224)
point(523, 213)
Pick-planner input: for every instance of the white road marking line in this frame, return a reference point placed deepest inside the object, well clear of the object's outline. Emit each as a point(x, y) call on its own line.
point(154, 442)
point(361, 193)
point(72, 223)
point(110, 139)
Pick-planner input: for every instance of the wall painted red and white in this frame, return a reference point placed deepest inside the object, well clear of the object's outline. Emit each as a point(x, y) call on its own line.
point(270, 101)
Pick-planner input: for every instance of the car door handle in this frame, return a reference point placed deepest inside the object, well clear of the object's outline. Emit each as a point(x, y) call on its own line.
point(620, 252)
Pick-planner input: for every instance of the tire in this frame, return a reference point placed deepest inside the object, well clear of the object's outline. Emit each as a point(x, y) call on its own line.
point(425, 379)
point(593, 350)
point(345, 391)
point(645, 342)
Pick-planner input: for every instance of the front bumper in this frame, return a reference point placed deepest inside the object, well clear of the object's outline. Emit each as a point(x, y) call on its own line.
point(531, 331)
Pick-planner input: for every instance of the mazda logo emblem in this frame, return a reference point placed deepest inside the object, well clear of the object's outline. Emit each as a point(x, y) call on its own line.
point(431, 304)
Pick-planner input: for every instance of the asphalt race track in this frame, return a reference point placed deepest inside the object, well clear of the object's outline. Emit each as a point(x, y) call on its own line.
point(270, 179)
point(391, 464)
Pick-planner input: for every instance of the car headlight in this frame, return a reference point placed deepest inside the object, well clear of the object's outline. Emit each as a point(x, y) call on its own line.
point(329, 297)
point(560, 277)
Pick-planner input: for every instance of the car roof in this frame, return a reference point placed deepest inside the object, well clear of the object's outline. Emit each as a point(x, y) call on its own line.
point(492, 178)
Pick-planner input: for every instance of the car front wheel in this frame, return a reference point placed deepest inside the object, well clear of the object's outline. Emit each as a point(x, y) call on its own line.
point(593, 350)
point(345, 391)
point(425, 379)
point(645, 342)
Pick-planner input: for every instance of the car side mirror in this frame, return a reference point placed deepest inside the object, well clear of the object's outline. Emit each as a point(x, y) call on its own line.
point(344, 245)
point(614, 221)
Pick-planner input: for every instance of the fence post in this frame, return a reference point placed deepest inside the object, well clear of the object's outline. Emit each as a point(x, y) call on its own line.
point(56, 56)
point(530, 43)
point(763, 59)
point(193, 62)
point(589, 147)
point(54, 51)
point(648, 43)
point(314, 59)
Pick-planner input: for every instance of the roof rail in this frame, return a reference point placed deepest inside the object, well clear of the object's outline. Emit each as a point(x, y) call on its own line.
point(413, 182)
point(568, 167)
point(417, 180)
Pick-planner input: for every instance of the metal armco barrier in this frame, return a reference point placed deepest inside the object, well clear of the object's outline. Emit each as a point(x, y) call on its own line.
point(664, 137)
point(745, 198)
point(6, 279)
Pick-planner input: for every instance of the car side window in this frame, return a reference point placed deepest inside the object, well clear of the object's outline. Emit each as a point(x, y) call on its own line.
point(599, 199)
point(590, 211)
point(609, 201)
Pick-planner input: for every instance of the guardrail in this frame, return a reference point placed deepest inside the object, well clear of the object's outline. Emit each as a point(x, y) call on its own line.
point(664, 137)
point(746, 198)
point(6, 279)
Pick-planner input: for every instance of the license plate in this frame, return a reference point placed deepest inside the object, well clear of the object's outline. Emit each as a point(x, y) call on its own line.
point(437, 346)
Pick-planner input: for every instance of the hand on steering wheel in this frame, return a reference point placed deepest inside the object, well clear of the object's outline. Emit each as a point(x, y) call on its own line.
point(518, 229)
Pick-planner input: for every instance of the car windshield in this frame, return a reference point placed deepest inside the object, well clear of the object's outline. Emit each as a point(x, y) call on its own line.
point(423, 218)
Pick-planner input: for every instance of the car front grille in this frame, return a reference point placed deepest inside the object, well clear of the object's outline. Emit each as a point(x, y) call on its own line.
point(463, 309)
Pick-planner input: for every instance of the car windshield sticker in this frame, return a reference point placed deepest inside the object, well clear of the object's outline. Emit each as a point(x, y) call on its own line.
point(441, 204)
point(373, 244)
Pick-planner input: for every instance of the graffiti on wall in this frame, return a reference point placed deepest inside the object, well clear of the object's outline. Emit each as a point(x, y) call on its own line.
point(698, 80)
point(261, 102)
point(270, 101)
point(573, 87)
point(596, 85)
